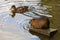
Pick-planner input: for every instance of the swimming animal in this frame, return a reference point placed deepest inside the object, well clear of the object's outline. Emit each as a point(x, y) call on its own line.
point(40, 23)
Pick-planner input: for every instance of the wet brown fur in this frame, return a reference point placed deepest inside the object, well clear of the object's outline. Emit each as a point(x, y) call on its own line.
point(40, 23)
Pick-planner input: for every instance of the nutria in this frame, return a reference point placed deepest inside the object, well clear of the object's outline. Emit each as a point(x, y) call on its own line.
point(40, 23)
point(20, 10)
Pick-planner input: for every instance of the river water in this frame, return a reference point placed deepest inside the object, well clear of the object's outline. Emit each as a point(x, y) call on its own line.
point(12, 28)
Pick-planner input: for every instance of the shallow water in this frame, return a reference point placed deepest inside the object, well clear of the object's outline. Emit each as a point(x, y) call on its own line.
point(55, 20)
point(12, 28)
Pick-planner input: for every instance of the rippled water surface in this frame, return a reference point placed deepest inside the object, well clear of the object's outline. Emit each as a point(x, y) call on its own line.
point(12, 28)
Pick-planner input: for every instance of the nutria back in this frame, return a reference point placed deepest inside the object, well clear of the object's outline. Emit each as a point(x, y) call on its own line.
point(40, 23)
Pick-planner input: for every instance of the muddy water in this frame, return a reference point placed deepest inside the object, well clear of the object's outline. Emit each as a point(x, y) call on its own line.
point(55, 4)
point(55, 20)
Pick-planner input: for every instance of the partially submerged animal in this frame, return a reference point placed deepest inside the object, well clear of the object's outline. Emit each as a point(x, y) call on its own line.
point(20, 10)
point(40, 23)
